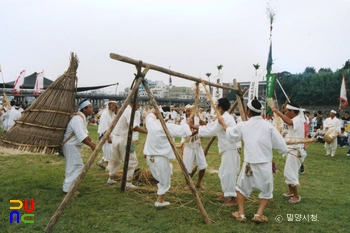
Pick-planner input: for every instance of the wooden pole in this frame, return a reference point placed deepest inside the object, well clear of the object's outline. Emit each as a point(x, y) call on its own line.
point(212, 139)
point(167, 71)
point(178, 157)
point(88, 164)
point(131, 126)
point(239, 97)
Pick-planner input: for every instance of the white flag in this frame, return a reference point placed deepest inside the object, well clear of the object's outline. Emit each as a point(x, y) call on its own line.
point(343, 98)
point(39, 83)
point(19, 82)
point(253, 89)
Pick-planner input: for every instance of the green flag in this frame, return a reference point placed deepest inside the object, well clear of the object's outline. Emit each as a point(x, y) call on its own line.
point(269, 60)
point(270, 88)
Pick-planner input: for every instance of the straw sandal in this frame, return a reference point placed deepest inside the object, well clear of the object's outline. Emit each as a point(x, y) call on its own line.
point(288, 195)
point(239, 217)
point(294, 202)
point(259, 218)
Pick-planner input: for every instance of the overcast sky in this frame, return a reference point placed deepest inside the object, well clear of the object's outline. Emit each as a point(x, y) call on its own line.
point(190, 36)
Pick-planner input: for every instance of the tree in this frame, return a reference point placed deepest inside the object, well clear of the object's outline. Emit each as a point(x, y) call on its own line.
point(309, 70)
point(256, 67)
point(219, 67)
point(325, 70)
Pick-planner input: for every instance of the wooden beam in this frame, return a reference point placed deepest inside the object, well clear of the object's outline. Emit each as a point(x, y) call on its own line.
point(167, 71)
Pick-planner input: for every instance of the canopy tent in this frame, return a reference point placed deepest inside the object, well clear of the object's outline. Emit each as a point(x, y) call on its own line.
point(29, 83)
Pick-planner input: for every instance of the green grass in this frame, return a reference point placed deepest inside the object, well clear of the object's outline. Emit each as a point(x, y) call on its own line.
point(100, 208)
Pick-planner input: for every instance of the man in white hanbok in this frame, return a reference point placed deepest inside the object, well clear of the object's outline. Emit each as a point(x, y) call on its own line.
point(106, 119)
point(332, 123)
point(259, 137)
point(11, 116)
point(119, 141)
point(159, 152)
point(75, 136)
point(192, 149)
point(230, 160)
point(294, 118)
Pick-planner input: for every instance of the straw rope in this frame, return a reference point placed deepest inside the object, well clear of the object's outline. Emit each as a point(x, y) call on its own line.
point(47, 110)
point(212, 104)
point(196, 100)
point(277, 120)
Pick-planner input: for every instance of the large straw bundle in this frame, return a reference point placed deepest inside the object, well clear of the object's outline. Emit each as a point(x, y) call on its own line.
point(41, 127)
point(5, 101)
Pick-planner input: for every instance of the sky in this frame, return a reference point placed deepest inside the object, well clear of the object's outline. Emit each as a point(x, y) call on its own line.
point(192, 37)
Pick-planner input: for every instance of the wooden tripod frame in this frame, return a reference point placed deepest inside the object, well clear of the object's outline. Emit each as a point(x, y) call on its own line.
point(139, 77)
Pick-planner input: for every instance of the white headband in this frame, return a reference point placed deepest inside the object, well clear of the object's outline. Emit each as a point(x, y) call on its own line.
point(112, 101)
point(333, 111)
point(84, 104)
point(250, 106)
point(293, 108)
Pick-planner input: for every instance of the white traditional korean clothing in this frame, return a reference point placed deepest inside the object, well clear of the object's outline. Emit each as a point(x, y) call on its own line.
point(71, 149)
point(230, 160)
point(259, 137)
point(105, 121)
point(193, 151)
point(158, 150)
point(119, 141)
point(332, 124)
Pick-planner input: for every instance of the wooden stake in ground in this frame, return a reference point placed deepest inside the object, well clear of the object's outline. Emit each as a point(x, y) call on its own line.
point(139, 75)
point(88, 164)
point(178, 157)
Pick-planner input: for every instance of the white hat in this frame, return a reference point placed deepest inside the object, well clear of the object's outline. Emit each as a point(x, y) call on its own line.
point(188, 106)
point(333, 111)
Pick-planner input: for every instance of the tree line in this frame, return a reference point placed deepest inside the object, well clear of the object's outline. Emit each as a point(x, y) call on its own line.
point(310, 87)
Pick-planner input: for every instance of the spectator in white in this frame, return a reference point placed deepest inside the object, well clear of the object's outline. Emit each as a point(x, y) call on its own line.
point(75, 136)
point(259, 137)
point(314, 122)
point(320, 132)
point(106, 118)
point(159, 152)
point(331, 124)
point(11, 116)
point(119, 141)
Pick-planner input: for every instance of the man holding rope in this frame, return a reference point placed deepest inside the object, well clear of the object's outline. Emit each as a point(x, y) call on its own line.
point(294, 118)
point(119, 141)
point(192, 148)
point(159, 152)
point(259, 137)
point(230, 160)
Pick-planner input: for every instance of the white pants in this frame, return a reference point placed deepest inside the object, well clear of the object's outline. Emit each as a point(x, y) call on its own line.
point(229, 168)
point(331, 148)
point(193, 154)
point(161, 170)
point(74, 165)
point(262, 179)
point(118, 156)
point(107, 150)
point(291, 169)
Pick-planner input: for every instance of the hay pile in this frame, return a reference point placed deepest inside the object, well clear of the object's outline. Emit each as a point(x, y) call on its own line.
point(42, 125)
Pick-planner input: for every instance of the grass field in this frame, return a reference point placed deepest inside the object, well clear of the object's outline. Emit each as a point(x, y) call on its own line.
point(100, 208)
